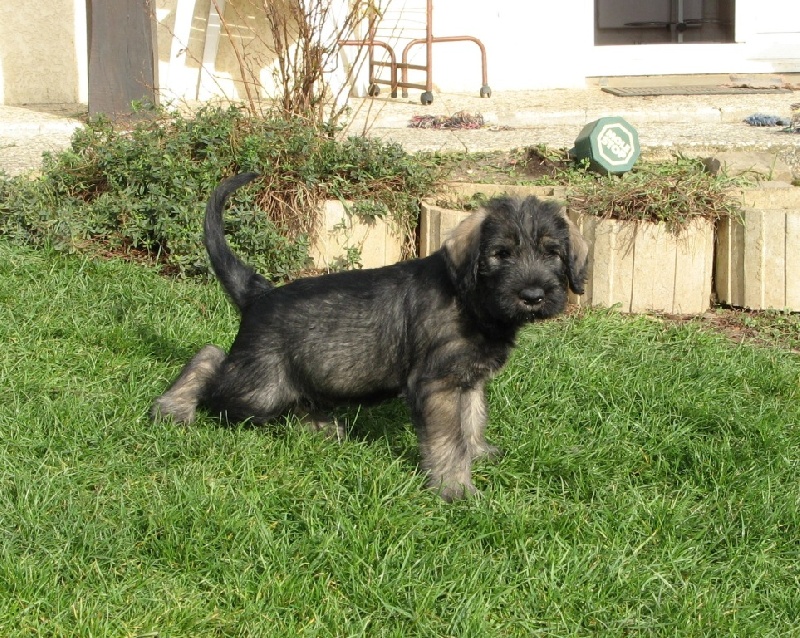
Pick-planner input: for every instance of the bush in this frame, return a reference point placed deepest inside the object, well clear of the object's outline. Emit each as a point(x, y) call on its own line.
point(142, 192)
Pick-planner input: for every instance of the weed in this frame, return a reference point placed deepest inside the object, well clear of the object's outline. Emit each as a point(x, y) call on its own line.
point(674, 191)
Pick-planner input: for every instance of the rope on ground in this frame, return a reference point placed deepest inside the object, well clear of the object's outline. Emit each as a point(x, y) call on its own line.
point(460, 120)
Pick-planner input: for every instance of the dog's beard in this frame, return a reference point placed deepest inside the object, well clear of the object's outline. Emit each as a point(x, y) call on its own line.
point(552, 304)
point(507, 302)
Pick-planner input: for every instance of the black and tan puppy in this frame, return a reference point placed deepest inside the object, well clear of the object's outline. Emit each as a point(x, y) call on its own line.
point(432, 330)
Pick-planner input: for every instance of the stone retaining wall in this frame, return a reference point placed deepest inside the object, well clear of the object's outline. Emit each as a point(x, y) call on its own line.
point(758, 256)
point(342, 235)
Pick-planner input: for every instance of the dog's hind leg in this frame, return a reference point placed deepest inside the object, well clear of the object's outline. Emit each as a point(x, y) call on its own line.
point(445, 452)
point(181, 400)
point(326, 424)
point(474, 413)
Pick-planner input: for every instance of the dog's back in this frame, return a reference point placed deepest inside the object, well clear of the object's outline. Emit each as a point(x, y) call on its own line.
point(352, 336)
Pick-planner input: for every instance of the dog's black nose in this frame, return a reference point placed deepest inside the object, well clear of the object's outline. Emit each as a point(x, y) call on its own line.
point(532, 296)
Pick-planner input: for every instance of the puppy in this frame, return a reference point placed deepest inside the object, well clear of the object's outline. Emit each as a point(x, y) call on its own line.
point(432, 330)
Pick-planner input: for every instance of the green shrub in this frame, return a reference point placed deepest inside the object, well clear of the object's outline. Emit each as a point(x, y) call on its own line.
point(142, 192)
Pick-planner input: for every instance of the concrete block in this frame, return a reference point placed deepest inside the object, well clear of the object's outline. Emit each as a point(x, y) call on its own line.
point(771, 196)
point(378, 243)
point(758, 256)
point(643, 267)
point(436, 223)
point(762, 165)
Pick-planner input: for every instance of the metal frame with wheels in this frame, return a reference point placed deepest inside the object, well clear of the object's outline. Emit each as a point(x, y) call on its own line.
point(404, 66)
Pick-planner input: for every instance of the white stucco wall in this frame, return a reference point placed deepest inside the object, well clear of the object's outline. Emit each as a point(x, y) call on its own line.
point(767, 40)
point(529, 44)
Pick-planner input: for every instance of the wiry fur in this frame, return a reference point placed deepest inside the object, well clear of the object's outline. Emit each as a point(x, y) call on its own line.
point(432, 330)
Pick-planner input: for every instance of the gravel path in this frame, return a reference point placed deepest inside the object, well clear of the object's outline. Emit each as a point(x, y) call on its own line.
point(27, 132)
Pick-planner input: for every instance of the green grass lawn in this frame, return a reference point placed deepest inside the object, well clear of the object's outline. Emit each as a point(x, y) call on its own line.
point(651, 484)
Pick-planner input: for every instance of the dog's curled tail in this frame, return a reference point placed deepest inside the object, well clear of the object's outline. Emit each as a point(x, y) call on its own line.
point(240, 281)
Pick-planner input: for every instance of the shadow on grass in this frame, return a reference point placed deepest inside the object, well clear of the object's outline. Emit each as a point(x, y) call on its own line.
point(386, 424)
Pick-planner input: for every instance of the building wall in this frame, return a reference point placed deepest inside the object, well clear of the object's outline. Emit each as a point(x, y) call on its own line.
point(767, 40)
point(529, 45)
point(43, 52)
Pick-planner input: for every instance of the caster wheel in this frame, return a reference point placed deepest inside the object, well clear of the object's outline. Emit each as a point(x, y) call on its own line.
point(373, 90)
point(426, 98)
point(486, 91)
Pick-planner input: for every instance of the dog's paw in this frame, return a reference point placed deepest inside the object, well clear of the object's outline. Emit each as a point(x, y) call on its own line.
point(333, 430)
point(328, 426)
point(164, 407)
point(488, 453)
point(455, 492)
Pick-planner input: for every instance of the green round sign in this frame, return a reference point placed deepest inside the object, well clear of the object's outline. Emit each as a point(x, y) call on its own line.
point(610, 144)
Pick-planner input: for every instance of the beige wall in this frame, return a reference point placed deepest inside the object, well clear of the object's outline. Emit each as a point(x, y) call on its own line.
point(43, 55)
point(529, 45)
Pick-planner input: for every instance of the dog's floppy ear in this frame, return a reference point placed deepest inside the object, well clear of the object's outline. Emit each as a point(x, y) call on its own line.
point(577, 257)
point(463, 245)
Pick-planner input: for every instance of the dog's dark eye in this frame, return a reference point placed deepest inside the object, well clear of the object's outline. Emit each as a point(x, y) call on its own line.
point(552, 248)
point(501, 253)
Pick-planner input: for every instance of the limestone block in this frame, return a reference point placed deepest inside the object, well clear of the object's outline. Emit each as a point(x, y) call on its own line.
point(643, 267)
point(763, 165)
point(378, 243)
point(436, 223)
point(758, 256)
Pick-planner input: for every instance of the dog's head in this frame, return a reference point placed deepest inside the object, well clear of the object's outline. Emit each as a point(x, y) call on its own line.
point(517, 258)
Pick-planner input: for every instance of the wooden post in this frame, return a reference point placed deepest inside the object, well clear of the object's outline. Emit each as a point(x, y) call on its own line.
point(122, 56)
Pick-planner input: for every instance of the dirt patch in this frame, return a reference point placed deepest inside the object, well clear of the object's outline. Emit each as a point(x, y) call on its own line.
point(771, 328)
point(525, 165)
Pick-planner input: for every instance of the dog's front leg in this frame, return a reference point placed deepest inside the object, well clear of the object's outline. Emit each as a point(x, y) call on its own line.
point(444, 450)
point(474, 414)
